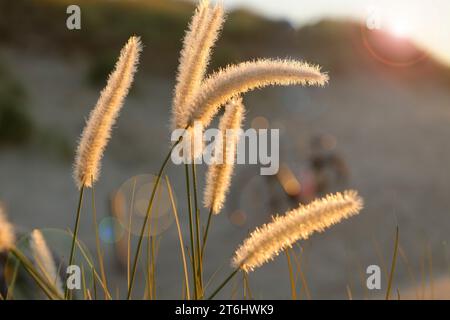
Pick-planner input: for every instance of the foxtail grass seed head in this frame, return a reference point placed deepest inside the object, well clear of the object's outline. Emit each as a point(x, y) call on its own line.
point(218, 176)
point(221, 86)
point(44, 259)
point(266, 242)
point(194, 59)
point(7, 236)
point(193, 142)
point(97, 131)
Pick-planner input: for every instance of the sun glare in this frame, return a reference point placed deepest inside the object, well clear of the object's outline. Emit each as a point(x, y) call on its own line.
point(400, 28)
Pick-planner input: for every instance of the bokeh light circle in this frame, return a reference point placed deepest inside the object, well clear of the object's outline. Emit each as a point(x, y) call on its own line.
point(406, 55)
point(130, 204)
point(393, 30)
point(110, 230)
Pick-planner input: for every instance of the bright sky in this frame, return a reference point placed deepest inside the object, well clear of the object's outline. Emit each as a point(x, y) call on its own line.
point(425, 21)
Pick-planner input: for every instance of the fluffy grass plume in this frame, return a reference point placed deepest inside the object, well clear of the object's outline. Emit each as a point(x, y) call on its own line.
point(221, 86)
point(198, 42)
point(7, 237)
point(44, 259)
point(266, 242)
point(97, 131)
point(218, 176)
point(193, 142)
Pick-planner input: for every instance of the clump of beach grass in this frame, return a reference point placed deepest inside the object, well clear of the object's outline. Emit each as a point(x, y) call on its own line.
point(197, 99)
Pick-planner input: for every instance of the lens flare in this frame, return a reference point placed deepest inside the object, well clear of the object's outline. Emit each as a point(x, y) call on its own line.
point(400, 28)
point(130, 203)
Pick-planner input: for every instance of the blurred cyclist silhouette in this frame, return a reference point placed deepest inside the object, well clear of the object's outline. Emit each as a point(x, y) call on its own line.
point(328, 166)
point(326, 172)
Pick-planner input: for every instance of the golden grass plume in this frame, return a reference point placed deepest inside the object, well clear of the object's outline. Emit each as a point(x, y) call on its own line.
point(222, 85)
point(97, 131)
point(7, 236)
point(192, 142)
point(44, 259)
point(194, 59)
point(266, 242)
point(218, 176)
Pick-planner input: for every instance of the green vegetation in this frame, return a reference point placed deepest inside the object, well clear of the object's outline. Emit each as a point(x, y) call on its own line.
point(15, 123)
point(106, 25)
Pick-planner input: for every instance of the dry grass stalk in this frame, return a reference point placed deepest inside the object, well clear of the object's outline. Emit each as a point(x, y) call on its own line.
point(97, 131)
point(266, 242)
point(194, 59)
point(218, 177)
point(221, 86)
point(7, 236)
point(44, 259)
